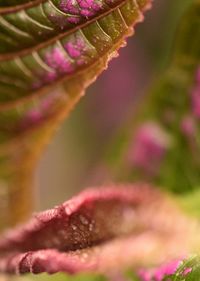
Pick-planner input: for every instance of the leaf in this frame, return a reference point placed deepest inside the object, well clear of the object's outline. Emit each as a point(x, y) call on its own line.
point(4, 3)
point(43, 42)
point(102, 230)
point(161, 142)
point(59, 277)
point(50, 52)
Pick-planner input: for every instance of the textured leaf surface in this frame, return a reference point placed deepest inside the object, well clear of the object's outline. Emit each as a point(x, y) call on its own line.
point(43, 42)
point(97, 231)
point(29, 25)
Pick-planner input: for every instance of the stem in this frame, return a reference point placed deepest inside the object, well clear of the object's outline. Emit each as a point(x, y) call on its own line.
point(16, 187)
point(19, 157)
point(18, 162)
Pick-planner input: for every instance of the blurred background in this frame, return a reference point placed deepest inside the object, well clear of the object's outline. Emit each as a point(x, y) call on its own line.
point(74, 159)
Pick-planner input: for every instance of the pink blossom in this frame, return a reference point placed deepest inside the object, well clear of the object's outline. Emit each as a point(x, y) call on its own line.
point(165, 270)
point(149, 146)
point(157, 274)
point(188, 126)
point(187, 271)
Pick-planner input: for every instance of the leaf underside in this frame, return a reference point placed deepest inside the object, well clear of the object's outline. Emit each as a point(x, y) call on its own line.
point(46, 42)
point(97, 231)
point(50, 51)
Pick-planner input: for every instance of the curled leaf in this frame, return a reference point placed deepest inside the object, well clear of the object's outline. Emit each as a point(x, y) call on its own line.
point(100, 230)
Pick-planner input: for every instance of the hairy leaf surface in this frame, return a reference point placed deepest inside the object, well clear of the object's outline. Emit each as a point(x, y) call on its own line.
point(102, 230)
point(43, 42)
point(50, 51)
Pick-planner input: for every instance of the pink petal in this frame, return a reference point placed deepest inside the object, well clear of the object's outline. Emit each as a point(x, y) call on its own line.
point(158, 274)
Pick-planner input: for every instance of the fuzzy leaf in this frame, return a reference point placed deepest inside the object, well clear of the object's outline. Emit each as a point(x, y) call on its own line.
point(44, 42)
point(50, 51)
point(102, 230)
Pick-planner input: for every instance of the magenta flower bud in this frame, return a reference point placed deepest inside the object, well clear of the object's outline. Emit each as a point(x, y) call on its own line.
point(157, 274)
point(149, 146)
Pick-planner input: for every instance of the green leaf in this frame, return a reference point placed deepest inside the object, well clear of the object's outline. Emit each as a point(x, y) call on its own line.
point(190, 202)
point(188, 271)
point(4, 3)
point(60, 277)
point(46, 42)
point(50, 52)
point(166, 124)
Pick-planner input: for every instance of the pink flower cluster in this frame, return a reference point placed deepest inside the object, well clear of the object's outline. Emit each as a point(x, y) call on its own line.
point(149, 146)
point(163, 271)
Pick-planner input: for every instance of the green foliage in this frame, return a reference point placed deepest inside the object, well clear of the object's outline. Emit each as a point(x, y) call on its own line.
point(168, 104)
point(190, 202)
point(65, 277)
point(188, 271)
point(43, 45)
point(60, 277)
point(46, 42)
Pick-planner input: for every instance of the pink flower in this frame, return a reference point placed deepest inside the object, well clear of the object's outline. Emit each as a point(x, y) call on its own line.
point(188, 126)
point(149, 146)
point(167, 269)
point(159, 273)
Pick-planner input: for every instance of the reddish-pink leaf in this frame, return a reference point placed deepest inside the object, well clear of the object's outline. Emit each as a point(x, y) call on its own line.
point(98, 230)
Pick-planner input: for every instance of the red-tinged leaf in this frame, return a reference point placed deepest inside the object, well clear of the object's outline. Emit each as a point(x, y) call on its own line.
point(43, 44)
point(46, 42)
point(100, 230)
